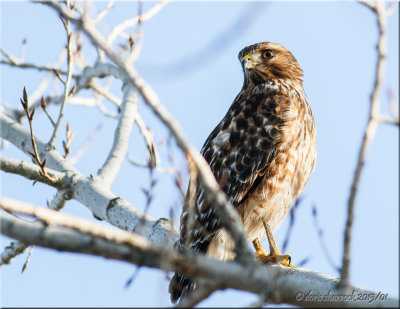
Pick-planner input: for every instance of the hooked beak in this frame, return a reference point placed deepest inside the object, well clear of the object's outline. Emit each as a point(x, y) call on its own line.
point(247, 63)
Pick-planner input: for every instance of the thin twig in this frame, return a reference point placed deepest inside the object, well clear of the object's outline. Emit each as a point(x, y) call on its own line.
point(149, 198)
point(291, 223)
point(35, 154)
point(12, 60)
point(38, 92)
point(113, 99)
point(388, 120)
point(67, 142)
point(23, 50)
point(104, 110)
point(85, 145)
point(28, 259)
point(133, 277)
point(322, 241)
point(379, 9)
point(165, 170)
point(67, 82)
point(103, 13)
point(369, 5)
point(43, 104)
point(148, 138)
point(136, 40)
point(37, 67)
point(133, 21)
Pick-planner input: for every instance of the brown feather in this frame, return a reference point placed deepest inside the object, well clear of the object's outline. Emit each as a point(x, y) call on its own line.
point(261, 153)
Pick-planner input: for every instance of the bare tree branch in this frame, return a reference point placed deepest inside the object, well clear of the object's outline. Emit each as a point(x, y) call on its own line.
point(36, 67)
point(9, 57)
point(68, 233)
point(70, 62)
point(107, 95)
point(32, 172)
point(388, 120)
point(91, 191)
point(103, 13)
point(379, 9)
point(84, 80)
point(148, 138)
point(82, 149)
point(58, 201)
point(117, 30)
point(118, 151)
point(15, 248)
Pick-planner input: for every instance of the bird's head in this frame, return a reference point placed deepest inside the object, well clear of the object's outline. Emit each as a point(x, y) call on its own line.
point(267, 61)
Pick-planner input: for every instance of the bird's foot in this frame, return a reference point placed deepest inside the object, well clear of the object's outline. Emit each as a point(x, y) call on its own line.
point(273, 257)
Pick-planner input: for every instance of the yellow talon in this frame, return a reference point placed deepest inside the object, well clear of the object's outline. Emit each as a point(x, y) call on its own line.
point(275, 255)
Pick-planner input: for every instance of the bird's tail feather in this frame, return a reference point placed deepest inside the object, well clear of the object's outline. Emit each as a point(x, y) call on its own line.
point(179, 287)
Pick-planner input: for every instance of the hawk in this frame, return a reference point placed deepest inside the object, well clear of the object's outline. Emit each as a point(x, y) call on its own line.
point(262, 154)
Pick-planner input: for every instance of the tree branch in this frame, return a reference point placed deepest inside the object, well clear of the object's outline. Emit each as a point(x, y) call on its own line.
point(379, 9)
point(70, 62)
point(118, 151)
point(133, 21)
point(16, 248)
point(25, 65)
point(91, 191)
point(153, 159)
point(68, 233)
point(32, 172)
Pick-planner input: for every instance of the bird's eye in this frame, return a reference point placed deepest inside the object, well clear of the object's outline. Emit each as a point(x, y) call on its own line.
point(268, 54)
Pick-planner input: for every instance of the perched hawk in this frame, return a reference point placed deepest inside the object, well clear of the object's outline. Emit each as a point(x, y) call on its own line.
point(261, 153)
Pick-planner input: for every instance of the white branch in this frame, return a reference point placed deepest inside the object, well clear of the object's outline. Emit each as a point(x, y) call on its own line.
point(58, 201)
point(103, 13)
point(68, 233)
point(84, 146)
point(91, 192)
point(31, 171)
point(118, 151)
point(84, 80)
point(109, 96)
point(14, 249)
point(10, 57)
point(36, 67)
point(133, 21)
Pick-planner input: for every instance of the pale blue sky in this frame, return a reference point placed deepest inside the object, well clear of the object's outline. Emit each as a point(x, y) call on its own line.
point(189, 57)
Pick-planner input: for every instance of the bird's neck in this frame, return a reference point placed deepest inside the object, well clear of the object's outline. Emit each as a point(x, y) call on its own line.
point(283, 85)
